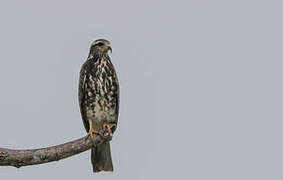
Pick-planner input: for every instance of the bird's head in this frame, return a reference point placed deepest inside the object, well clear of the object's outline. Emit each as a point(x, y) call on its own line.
point(100, 47)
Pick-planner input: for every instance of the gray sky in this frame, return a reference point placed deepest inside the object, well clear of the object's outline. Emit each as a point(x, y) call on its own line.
point(201, 86)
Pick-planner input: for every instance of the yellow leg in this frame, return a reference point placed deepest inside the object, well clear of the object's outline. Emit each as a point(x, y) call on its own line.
point(91, 130)
point(108, 127)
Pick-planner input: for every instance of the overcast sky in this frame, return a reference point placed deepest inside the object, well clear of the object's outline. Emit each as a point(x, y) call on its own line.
point(201, 86)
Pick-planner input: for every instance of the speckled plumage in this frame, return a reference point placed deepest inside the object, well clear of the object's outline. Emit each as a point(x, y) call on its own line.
point(99, 98)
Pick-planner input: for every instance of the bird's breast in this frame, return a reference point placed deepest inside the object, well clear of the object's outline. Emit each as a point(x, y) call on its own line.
point(101, 93)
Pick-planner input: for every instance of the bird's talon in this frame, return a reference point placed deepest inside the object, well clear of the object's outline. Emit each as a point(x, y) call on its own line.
point(107, 128)
point(91, 132)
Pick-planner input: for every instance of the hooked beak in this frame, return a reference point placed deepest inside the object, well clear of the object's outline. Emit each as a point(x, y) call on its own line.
point(110, 49)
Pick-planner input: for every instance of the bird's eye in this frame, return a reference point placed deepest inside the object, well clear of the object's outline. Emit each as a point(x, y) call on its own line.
point(100, 44)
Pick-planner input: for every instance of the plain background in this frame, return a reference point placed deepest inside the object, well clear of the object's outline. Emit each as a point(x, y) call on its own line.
point(201, 86)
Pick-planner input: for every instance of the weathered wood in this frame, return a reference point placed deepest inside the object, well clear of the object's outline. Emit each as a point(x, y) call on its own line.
point(19, 158)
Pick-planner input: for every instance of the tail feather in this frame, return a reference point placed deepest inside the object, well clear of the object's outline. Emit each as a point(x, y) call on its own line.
point(101, 158)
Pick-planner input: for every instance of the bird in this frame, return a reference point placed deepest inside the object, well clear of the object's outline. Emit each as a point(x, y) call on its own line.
point(99, 100)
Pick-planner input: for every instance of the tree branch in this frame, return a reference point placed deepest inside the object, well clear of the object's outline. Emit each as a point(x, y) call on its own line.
point(19, 158)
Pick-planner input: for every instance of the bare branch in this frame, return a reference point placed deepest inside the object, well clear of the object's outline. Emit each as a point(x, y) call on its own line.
point(19, 158)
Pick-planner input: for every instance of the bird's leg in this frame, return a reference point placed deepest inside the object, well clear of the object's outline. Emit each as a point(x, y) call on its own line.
point(91, 130)
point(108, 127)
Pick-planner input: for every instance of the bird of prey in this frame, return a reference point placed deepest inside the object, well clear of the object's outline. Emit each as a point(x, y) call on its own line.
point(99, 100)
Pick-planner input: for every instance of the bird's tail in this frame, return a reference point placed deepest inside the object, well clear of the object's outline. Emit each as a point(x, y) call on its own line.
point(101, 157)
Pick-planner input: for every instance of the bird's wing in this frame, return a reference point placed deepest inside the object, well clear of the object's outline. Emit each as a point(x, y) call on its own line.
point(117, 94)
point(82, 80)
